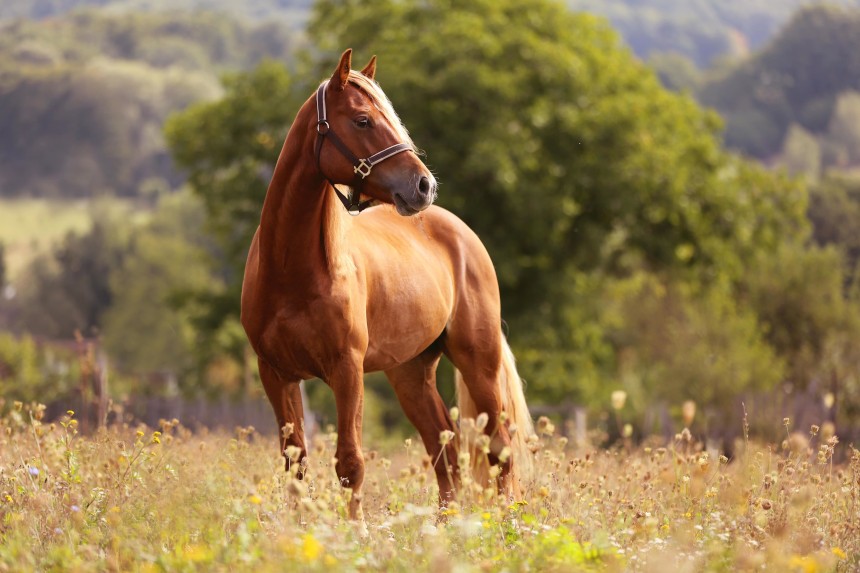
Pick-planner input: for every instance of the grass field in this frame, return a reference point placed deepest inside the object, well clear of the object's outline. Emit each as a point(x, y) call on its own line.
point(29, 227)
point(136, 499)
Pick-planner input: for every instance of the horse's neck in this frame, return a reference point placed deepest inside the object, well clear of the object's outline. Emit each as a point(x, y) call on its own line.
point(302, 226)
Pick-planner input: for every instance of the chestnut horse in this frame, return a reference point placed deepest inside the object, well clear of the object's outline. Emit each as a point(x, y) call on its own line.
point(332, 296)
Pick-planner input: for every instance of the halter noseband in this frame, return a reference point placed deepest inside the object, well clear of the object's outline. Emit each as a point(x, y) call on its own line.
point(361, 167)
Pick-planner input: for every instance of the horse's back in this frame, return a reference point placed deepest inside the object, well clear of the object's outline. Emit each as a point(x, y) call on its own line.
point(435, 228)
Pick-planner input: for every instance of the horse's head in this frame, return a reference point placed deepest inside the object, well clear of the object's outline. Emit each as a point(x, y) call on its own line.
point(362, 143)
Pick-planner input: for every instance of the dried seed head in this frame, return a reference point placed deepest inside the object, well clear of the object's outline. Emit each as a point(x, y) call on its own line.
point(619, 397)
point(481, 421)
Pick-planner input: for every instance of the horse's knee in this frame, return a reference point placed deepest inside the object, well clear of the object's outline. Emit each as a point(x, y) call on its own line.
point(350, 469)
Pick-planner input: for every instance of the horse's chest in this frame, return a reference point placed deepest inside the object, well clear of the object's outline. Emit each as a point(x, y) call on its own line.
point(305, 341)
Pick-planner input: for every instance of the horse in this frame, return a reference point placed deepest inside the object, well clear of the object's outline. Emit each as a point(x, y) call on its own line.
point(332, 296)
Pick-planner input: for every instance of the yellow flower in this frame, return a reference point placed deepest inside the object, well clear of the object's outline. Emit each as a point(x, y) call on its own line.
point(839, 553)
point(139, 433)
point(311, 548)
point(255, 499)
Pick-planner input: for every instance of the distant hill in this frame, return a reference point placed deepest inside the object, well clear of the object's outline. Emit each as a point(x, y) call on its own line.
point(701, 30)
point(83, 97)
point(294, 12)
point(797, 101)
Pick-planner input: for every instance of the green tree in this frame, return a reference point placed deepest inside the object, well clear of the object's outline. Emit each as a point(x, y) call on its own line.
point(144, 331)
point(801, 153)
point(228, 149)
point(68, 290)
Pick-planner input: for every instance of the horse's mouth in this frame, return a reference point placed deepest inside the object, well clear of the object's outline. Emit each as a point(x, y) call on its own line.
point(403, 208)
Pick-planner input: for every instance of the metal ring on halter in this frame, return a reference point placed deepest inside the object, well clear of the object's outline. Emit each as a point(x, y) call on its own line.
point(323, 123)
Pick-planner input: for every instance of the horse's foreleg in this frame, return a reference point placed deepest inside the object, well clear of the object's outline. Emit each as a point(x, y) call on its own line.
point(286, 399)
point(348, 387)
point(415, 385)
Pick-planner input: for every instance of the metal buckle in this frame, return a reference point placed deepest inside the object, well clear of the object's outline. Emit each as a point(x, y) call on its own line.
point(323, 127)
point(363, 168)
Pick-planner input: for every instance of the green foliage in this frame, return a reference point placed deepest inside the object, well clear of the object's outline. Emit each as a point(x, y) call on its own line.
point(29, 372)
point(801, 153)
point(798, 295)
point(68, 290)
point(834, 210)
point(228, 149)
point(144, 332)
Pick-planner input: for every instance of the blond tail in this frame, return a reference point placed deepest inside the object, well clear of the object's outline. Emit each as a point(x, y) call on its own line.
point(514, 405)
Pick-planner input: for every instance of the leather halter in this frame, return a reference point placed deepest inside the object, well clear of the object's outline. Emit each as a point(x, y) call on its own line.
point(361, 167)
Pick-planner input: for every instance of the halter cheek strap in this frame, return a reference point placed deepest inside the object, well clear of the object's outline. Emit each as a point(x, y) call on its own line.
point(361, 167)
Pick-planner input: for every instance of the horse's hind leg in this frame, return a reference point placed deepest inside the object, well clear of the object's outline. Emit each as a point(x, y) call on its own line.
point(286, 399)
point(414, 383)
point(473, 343)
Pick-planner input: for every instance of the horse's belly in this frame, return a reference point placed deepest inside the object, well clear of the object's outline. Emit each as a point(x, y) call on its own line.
point(401, 330)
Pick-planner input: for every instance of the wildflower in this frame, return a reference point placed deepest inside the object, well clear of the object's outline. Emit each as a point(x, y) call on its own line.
point(34, 471)
point(455, 413)
point(139, 433)
point(786, 422)
point(293, 453)
point(255, 499)
point(505, 454)
point(619, 397)
point(407, 443)
point(481, 421)
point(545, 426)
point(311, 548)
point(287, 430)
point(839, 553)
point(75, 508)
point(814, 429)
point(445, 437)
point(463, 459)
point(688, 411)
point(70, 413)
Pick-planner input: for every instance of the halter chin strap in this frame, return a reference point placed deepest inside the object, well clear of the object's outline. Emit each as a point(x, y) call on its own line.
point(361, 167)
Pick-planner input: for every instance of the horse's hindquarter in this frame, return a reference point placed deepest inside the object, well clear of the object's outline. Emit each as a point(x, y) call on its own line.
point(409, 269)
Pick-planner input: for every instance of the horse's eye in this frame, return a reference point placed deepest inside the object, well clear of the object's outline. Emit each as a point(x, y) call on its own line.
point(362, 122)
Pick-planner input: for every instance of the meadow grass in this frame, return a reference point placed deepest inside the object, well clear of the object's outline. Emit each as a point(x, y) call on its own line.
point(137, 499)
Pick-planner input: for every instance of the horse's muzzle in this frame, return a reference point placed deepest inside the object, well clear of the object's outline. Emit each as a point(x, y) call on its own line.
point(417, 199)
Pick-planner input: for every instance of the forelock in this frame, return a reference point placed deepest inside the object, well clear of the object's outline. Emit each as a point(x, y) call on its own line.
point(381, 102)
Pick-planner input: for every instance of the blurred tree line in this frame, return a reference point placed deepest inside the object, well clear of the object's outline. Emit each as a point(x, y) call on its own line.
point(703, 31)
point(633, 250)
point(797, 101)
point(83, 98)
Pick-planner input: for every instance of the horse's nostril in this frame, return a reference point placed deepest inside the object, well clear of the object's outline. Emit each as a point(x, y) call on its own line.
point(424, 186)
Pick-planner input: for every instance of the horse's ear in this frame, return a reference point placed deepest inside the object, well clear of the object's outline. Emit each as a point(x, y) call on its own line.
point(370, 69)
point(341, 74)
